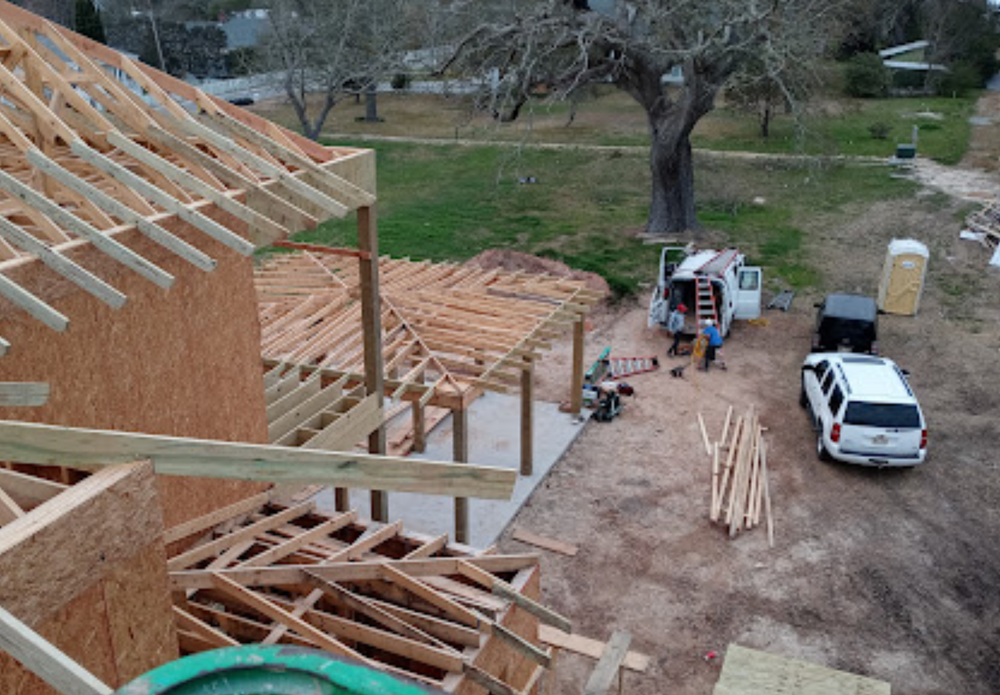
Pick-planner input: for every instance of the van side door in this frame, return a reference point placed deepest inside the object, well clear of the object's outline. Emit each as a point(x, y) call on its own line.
point(748, 292)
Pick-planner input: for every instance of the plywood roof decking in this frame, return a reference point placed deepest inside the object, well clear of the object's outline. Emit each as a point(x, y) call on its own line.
point(453, 327)
point(93, 144)
point(398, 601)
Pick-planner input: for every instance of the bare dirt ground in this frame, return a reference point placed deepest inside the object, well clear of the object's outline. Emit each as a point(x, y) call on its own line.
point(891, 574)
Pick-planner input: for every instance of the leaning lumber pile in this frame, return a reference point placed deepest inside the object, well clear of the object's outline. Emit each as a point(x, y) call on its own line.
point(740, 491)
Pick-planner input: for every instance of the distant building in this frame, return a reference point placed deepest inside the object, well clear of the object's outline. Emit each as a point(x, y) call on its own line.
point(244, 29)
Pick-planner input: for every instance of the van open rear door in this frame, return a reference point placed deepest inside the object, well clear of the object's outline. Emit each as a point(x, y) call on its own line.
point(748, 293)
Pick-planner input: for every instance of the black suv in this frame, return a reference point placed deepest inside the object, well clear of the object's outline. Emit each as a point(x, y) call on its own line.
point(846, 323)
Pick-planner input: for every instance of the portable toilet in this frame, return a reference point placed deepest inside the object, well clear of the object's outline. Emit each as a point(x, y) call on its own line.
point(903, 277)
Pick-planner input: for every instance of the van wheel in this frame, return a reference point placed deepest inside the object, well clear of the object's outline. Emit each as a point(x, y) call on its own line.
point(821, 451)
point(803, 400)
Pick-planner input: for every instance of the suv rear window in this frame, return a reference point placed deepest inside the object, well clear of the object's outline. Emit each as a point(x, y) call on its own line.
point(882, 415)
point(836, 399)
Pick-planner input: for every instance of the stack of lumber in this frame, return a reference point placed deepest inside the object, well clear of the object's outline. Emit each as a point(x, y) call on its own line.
point(739, 482)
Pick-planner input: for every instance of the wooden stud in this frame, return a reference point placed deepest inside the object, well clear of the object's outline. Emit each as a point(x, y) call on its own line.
point(124, 255)
point(43, 659)
point(609, 665)
point(527, 420)
point(460, 454)
point(576, 382)
point(704, 434)
point(56, 261)
point(33, 305)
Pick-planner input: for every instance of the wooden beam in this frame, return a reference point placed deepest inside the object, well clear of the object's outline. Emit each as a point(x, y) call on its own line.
point(104, 243)
point(74, 447)
point(527, 419)
point(20, 297)
point(578, 644)
point(274, 612)
point(9, 509)
point(460, 454)
point(213, 518)
point(576, 382)
point(165, 200)
point(371, 325)
point(56, 261)
point(28, 489)
point(23, 393)
point(266, 229)
point(112, 206)
point(609, 665)
point(186, 621)
point(349, 571)
point(43, 659)
point(326, 250)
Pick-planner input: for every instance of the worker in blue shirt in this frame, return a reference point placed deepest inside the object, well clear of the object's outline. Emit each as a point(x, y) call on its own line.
point(714, 342)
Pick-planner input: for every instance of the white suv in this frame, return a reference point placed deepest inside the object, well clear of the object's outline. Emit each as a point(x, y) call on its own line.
point(863, 410)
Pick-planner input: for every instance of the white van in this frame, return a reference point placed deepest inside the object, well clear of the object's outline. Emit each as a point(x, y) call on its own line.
point(863, 410)
point(735, 288)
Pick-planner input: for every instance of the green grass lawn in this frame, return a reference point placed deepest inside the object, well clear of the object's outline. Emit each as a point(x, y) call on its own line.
point(448, 203)
point(943, 125)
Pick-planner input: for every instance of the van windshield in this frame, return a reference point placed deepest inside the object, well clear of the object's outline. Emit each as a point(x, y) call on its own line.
point(882, 415)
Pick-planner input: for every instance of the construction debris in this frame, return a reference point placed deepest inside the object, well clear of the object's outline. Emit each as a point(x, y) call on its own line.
point(739, 486)
point(542, 542)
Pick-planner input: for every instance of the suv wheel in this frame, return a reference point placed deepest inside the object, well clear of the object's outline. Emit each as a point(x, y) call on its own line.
point(803, 400)
point(821, 451)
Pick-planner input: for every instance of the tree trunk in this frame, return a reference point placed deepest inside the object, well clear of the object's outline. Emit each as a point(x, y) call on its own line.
point(671, 210)
point(371, 103)
point(765, 119)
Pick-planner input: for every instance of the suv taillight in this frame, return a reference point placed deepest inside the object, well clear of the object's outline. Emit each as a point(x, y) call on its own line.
point(835, 433)
point(923, 439)
point(666, 293)
point(874, 347)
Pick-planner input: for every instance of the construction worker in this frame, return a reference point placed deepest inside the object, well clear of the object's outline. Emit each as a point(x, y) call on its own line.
point(675, 324)
point(714, 342)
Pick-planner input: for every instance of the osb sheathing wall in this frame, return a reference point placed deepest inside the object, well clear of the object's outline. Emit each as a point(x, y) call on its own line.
point(183, 361)
point(87, 570)
point(500, 659)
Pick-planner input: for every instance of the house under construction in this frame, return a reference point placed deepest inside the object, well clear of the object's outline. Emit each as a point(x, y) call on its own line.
point(146, 416)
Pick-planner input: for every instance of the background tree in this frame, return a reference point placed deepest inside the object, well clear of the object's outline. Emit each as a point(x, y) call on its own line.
point(324, 50)
point(88, 21)
point(634, 46)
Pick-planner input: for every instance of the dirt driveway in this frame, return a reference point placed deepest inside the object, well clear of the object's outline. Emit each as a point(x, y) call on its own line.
point(891, 574)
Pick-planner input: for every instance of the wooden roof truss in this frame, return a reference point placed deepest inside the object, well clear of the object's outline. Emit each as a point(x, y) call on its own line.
point(93, 143)
point(402, 602)
point(453, 328)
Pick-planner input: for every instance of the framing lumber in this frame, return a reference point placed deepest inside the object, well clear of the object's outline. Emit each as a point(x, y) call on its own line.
point(609, 665)
point(93, 144)
point(76, 447)
point(45, 661)
point(588, 647)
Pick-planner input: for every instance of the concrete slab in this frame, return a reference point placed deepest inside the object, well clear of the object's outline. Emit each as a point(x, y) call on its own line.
point(494, 440)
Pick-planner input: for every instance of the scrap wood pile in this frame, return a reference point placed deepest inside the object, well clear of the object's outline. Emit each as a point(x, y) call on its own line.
point(740, 492)
point(398, 601)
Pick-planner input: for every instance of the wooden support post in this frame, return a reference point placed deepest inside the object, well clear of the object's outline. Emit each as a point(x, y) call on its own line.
point(419, 427)
point(371, 320)
point(576, 385)
point(527, 419)
point(460, 453)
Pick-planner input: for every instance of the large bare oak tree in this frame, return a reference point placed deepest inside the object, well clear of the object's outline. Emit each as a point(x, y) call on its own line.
point(672, 57)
